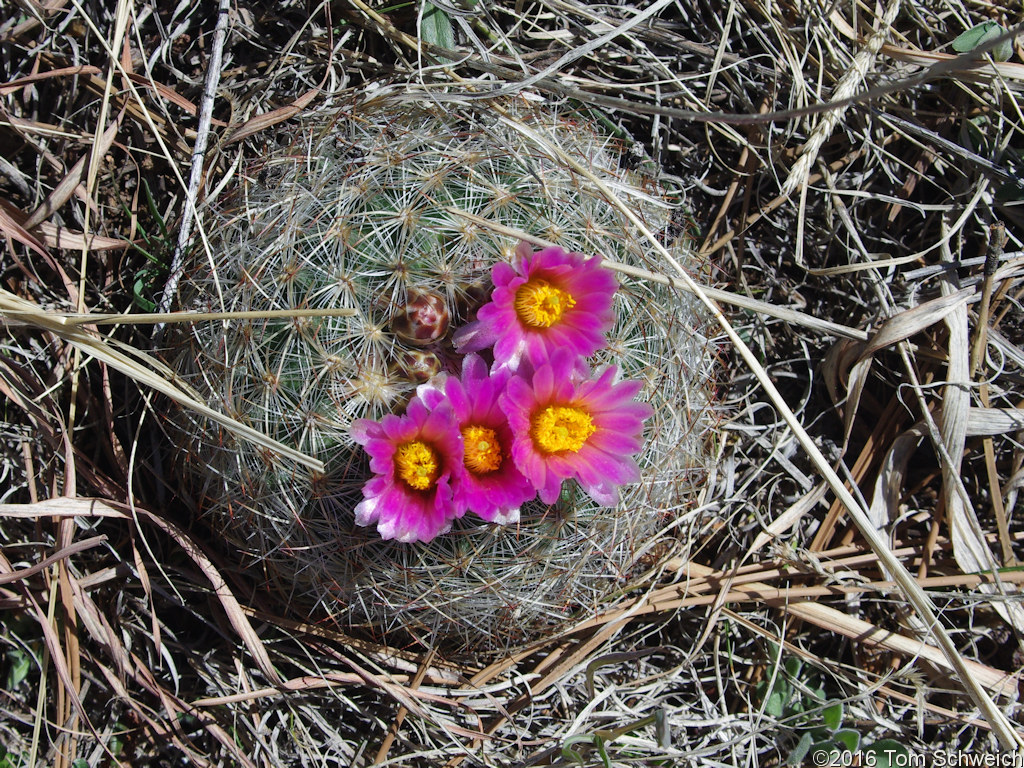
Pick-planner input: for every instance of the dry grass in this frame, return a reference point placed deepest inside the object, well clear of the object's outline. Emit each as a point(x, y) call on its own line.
point(857, 190)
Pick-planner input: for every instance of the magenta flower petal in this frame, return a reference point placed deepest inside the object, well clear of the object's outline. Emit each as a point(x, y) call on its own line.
point(491, 484)
point(585, 430)
point(431, 393)
point(502, 274)
point(482, 333)
point(416, 460)
point(509, 349)
point(549, 300)
point(473, 368)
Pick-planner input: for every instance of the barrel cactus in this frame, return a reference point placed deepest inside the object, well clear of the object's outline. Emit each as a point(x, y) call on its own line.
point(400, 211)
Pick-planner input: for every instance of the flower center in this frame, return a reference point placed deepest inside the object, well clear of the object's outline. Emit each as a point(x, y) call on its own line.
point(483, 453)
point(540, 304)
point(417, 464)
point(561, 428)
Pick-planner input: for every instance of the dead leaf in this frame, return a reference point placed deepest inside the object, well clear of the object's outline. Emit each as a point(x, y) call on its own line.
point(272, 118)
point(910, 321)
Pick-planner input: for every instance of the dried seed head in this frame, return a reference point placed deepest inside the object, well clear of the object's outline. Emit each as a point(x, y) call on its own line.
point(422, 320)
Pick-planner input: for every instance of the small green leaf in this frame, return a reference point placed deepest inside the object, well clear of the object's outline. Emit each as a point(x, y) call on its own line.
point(979, 35)
point(833, 716)
point(978, 130)
point(849, 738)
point(662, 729)
point(437, 27)
point(20, 664)
point(140, 288)
point(599, 742)
point(793, 666)
point(796, 757)
point(775, 705)
point(568, 753)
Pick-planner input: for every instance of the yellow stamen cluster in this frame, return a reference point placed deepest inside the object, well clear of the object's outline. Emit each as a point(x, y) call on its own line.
point(483, 452)
point(540, 304)
point(417, 464)
point(559, 428)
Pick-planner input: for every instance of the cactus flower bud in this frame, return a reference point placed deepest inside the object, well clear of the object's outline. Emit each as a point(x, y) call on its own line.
point(422, 320)
point(417, 365)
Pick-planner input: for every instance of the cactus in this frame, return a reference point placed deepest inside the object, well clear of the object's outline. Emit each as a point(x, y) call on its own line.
point(379, 209)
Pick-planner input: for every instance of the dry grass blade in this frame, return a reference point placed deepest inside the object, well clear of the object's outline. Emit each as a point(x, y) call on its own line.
point(9, 226)
point(979, 67)
point(234, 611)
point(22, 82)
point(831, 619)
point(851, 362)
point(143, 318)
point(18, 309)
point(69, 690)
point(845, 88)
point(298, 685)
point(255, 125)
point(210, 81)
point(978, 422)
point(63, 553)
point(73, 178)
point(969, 546)
point(396, 724)
point(57, 237)
point(905, 324)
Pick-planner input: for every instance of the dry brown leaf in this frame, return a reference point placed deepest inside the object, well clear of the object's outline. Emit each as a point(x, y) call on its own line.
point(171, 95)
point(99, 628)
point(72, 549)
point(835, 368)
point(271, 118)
point(58, 237)
point(9, 216)
point(13, 85)
point(905, 324)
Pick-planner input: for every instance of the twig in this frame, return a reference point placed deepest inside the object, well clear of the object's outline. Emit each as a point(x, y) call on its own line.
point(198, 160)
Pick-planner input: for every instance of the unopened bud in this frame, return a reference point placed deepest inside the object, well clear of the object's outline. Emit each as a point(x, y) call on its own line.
point(417, 365)
point(422, 320)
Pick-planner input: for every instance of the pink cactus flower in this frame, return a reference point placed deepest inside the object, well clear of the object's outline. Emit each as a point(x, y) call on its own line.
point(548, 300)
point(565, 426)
point(417, 460)
point(491, 486)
